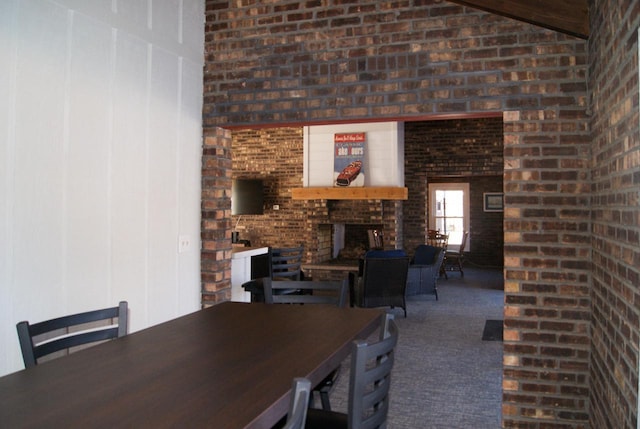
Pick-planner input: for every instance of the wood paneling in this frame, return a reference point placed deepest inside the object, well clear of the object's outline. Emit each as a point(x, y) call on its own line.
point(567, 16)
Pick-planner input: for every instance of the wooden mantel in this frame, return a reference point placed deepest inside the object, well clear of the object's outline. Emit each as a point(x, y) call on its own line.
point(364, 193)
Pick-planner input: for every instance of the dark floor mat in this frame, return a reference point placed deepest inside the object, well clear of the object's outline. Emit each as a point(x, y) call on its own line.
point(492, 330)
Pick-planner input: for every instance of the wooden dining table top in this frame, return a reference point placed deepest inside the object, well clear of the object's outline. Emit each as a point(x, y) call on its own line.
point(227, 366)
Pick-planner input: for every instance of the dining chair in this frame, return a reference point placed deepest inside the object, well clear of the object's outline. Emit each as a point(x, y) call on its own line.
point(437, 239)
point(455, 258)
point(312, 292)
point(369, 382)
point(263, 266)
point(300, 395)
point(286, 263)
point(50, 336)
point(376, 240)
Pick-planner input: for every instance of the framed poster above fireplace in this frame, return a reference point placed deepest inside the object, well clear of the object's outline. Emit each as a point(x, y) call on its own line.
point(348, 158)
point(379, 146)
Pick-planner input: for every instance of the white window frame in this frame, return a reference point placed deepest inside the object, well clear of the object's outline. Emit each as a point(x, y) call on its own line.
point(464, 187)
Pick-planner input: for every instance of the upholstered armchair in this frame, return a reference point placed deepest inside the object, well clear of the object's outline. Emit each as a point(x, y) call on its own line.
point(424, 270)
point(382, 281)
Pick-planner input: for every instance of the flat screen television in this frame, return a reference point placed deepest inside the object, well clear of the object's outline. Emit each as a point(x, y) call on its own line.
point(247, 197)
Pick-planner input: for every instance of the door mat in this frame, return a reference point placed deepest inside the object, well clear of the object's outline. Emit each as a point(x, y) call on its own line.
point(492, 330)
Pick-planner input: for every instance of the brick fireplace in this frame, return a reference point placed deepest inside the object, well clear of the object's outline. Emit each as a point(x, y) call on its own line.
point(347, 240)
point(357, 217)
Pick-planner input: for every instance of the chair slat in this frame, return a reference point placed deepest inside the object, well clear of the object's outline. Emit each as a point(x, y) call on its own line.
point(320, 292)
point(64, 337)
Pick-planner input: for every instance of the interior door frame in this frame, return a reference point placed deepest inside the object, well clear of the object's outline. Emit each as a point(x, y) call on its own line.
point(452, 186)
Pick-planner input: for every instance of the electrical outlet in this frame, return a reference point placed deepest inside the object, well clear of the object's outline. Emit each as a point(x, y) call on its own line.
point(276, 207)
point(184, 243)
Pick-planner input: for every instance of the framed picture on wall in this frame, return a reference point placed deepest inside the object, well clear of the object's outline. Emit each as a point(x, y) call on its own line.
point(493, 201)
point(348, 161)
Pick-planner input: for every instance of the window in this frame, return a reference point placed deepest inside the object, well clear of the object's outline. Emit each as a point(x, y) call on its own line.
point(449, 210)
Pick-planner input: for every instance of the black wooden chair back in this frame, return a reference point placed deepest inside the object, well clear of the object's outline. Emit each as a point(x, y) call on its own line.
point(369, 383)
point(309, 292)
point(305, 292)
point(60, 337)
point(300, 395)
point(286, 263)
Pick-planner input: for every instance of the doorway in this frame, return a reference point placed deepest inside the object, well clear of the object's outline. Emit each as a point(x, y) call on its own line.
point(449, 210)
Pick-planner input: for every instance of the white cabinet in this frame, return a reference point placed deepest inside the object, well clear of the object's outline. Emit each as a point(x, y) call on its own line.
point(241, 271)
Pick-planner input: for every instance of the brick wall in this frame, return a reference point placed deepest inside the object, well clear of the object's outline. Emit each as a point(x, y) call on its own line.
point(292, 62)
point(276, 156)
point(615, 321)
point(456, 151)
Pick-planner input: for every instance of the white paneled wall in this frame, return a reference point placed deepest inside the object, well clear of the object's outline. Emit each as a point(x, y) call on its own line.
point(100, 152)
point(384, 153)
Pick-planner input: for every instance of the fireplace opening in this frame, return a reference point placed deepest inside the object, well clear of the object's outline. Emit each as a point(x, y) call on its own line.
point(351, 241)
point(340, 243)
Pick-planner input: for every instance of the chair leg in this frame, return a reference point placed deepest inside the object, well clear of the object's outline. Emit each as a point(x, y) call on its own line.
point(324, 399)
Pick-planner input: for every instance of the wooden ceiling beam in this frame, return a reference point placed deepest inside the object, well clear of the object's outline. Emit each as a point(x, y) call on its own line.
point(565, 16)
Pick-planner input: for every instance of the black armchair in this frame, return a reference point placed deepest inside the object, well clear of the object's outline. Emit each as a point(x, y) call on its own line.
point(424, 270)
point(383, 280)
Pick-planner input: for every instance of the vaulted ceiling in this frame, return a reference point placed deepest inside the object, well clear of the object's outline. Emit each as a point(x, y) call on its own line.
point(566, 16)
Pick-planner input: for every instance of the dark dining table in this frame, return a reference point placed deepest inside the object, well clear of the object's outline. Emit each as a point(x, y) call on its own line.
point(228, 366)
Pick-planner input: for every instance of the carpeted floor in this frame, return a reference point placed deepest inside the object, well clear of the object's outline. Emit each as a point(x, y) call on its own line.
point(445, 375)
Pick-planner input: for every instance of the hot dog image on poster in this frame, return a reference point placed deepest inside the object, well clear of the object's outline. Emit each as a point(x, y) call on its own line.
point(348, 159)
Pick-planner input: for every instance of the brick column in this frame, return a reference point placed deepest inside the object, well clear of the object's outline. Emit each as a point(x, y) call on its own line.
point(216, 217)
point(547, 262)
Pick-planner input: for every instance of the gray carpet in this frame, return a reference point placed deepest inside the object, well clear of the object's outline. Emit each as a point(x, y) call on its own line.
point(445, 376)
